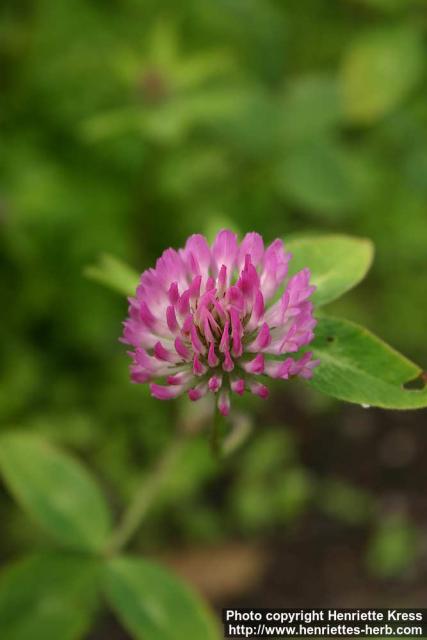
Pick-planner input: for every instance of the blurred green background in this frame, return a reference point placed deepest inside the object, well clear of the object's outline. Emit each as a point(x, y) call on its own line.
point(127, 125)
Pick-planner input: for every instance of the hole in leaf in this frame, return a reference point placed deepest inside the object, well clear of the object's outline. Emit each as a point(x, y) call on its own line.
point(418, 383)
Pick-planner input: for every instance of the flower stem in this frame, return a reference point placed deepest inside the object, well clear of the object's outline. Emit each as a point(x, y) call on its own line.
point(216, 435)
point(144, 497)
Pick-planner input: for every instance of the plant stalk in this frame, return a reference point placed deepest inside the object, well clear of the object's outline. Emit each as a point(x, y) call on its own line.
point(144, 497)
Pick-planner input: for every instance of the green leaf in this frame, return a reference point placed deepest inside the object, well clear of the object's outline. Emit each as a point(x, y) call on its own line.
point(155, 605)
point(394, 548)
point(391, 6)
point(337, 263)
point(311, 107)
point(356, 366)
point(55, 490)
point(346, 502)
point(379, 70)
point(319, 176)
point(46, 597)
point(113, 273)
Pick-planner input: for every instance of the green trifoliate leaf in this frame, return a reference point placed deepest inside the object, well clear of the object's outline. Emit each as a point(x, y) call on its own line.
point(154, 605)
point(356, 366)
point(115, 274)
point(48, 596)
point(337, 263)
point(55, 490)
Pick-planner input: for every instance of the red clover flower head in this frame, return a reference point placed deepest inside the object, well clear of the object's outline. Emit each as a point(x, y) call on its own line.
point(203, 320)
